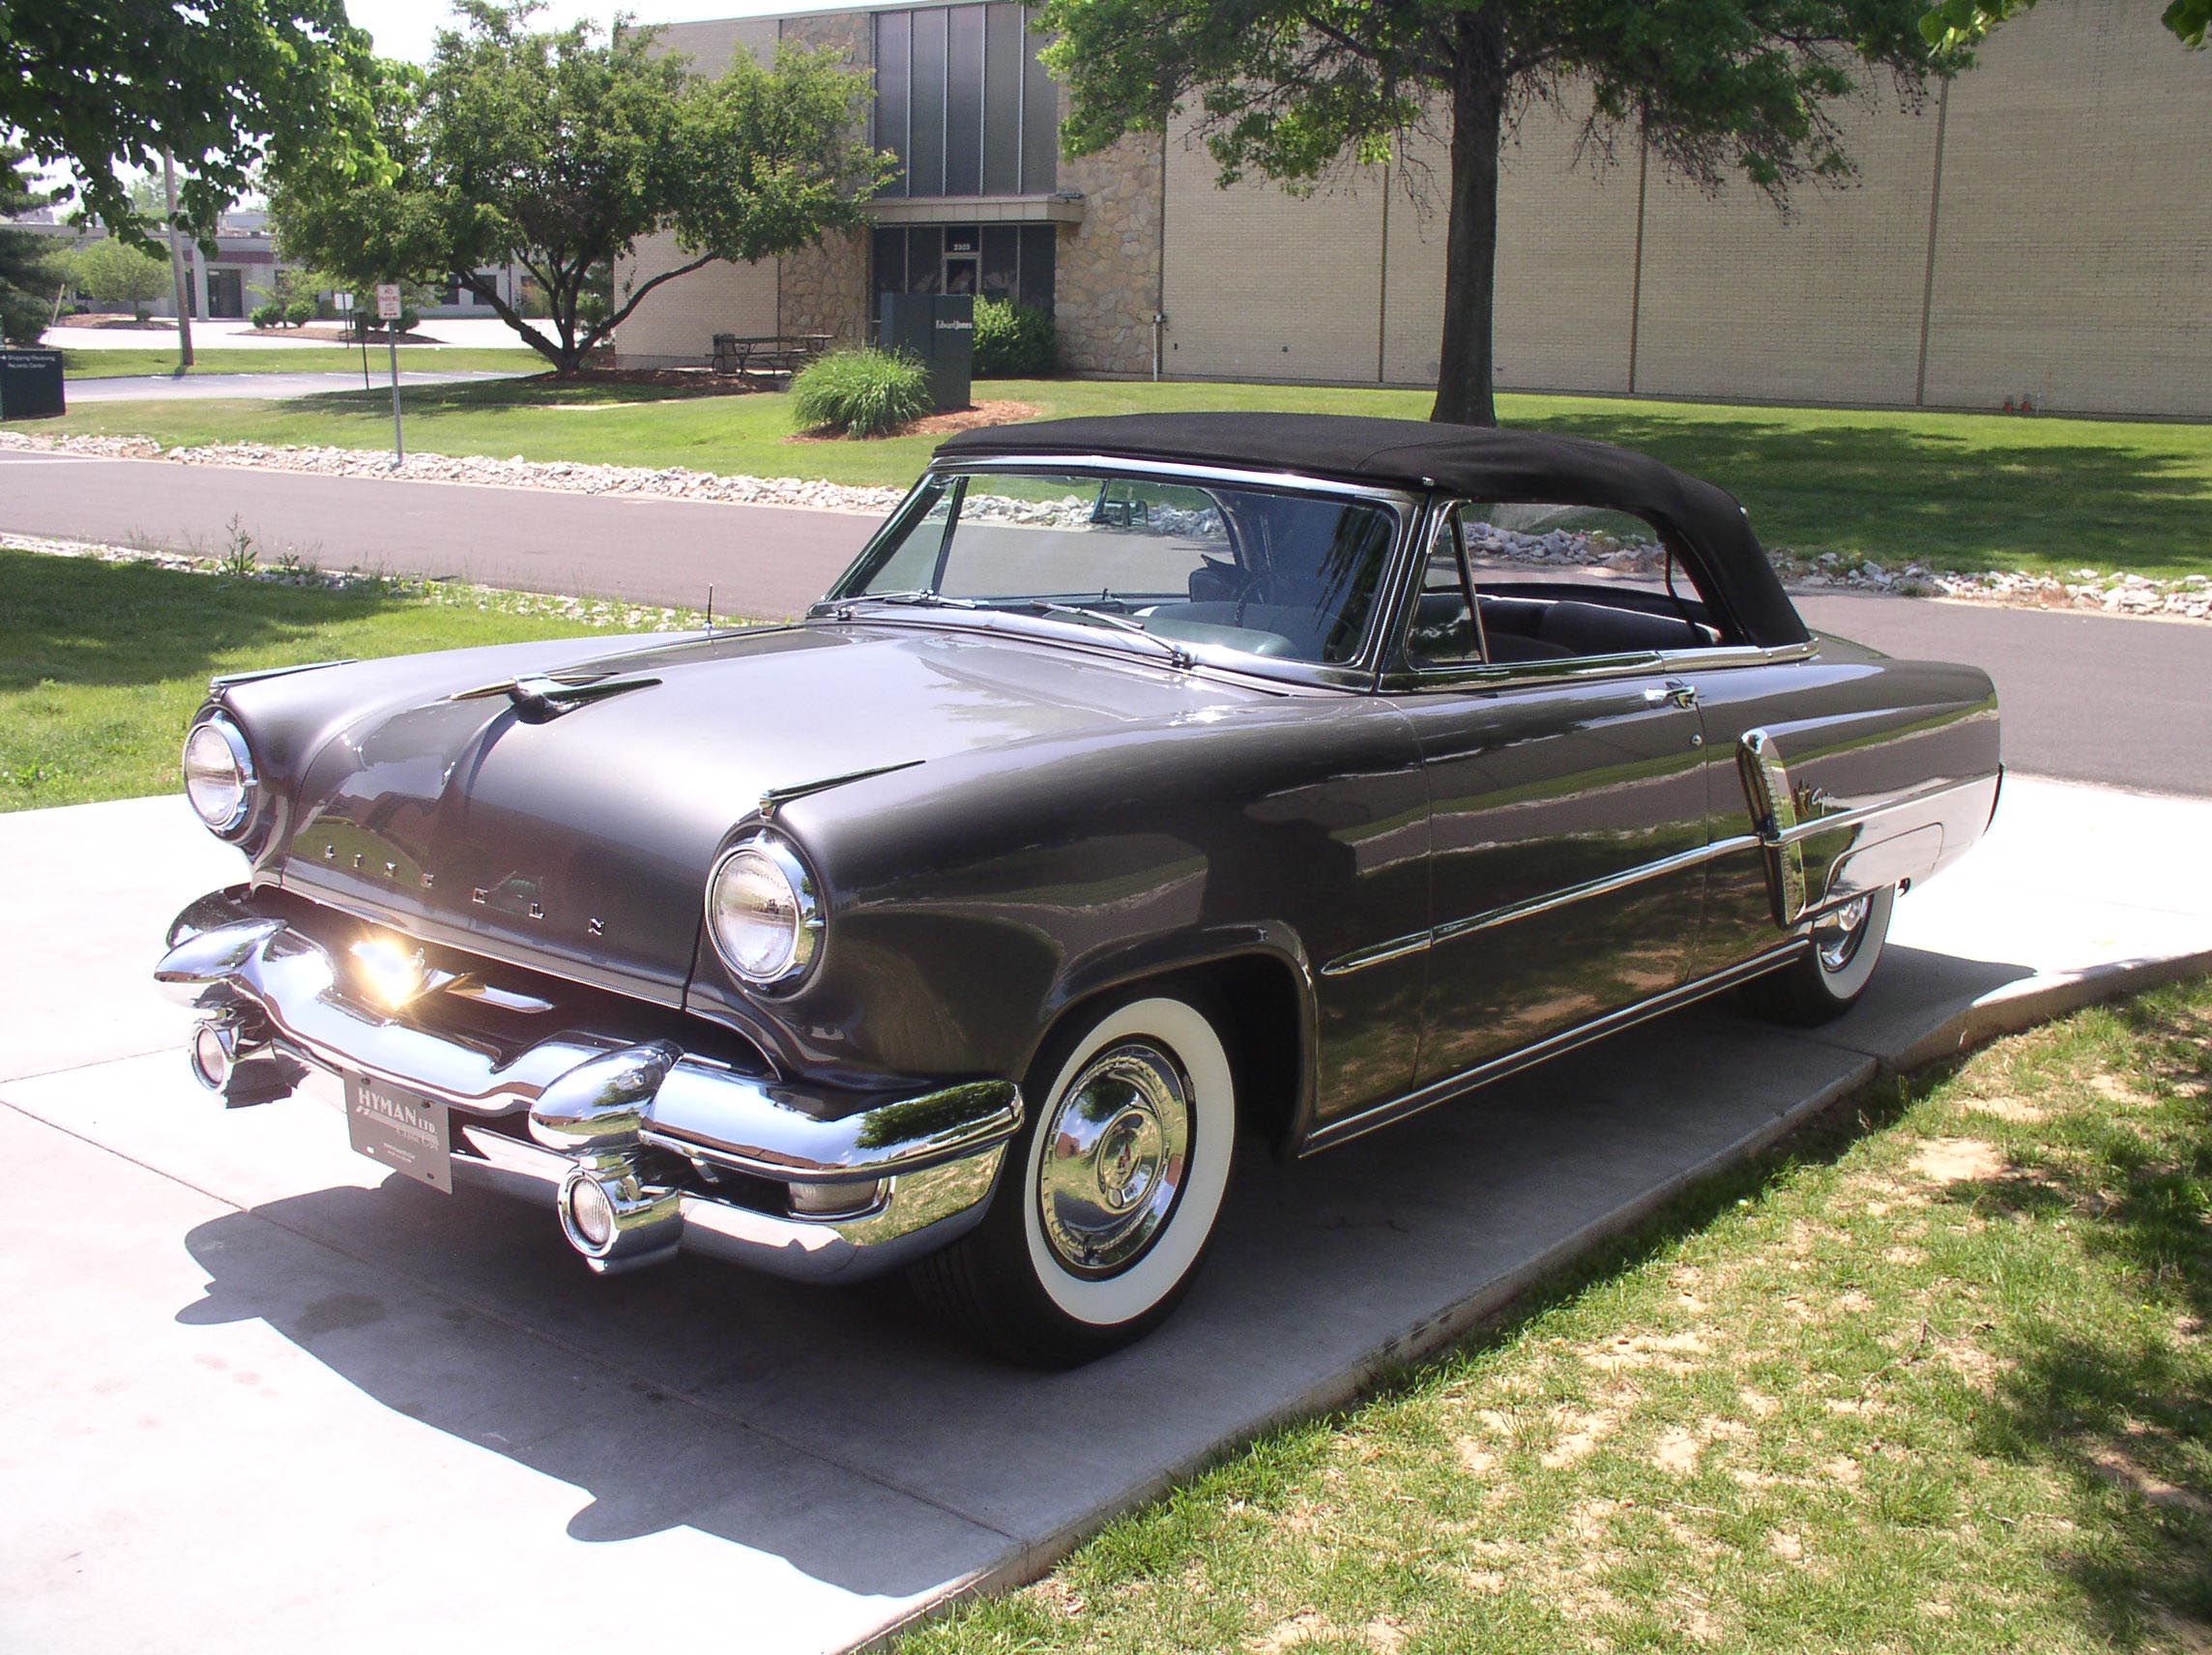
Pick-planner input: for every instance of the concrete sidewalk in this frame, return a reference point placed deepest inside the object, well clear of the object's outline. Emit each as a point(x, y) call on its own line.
point(263, 386)
point(258, 1390)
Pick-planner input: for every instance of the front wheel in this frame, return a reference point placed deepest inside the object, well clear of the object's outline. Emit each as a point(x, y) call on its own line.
point(1110, 1193)
point(1823, 983)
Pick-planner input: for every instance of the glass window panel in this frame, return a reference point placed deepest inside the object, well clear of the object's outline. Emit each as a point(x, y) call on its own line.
point(1001, 261)
point(925, 260)
point(1039, 248)
point(894, 32)
point(1249, 571)
point(1040, 121)
point(1002, 54)
point(925, 168)
point(891, 262)
point(964, 102)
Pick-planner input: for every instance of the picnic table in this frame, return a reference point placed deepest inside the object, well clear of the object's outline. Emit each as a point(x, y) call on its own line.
point(747, 354)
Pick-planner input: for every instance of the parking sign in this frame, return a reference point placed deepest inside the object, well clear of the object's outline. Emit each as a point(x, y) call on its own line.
point(388, 301)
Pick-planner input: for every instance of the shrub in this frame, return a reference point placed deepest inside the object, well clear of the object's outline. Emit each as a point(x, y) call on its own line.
point(300, 313)
point(861, 393)
point(267, 315)
point(1014, 341)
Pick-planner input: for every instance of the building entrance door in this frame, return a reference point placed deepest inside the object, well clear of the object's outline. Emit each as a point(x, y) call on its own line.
point(963, 258)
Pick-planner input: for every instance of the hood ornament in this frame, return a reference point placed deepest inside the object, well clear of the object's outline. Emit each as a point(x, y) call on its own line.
point(541, 696)
point(774, 799)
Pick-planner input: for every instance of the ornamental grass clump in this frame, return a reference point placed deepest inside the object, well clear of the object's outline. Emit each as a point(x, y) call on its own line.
point(860, 392)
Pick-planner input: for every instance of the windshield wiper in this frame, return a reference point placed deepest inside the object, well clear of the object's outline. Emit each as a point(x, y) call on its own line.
point(921, 596)
point(1178, 656)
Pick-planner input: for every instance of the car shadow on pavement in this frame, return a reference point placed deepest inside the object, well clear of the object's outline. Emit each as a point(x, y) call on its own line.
point(841, 1430)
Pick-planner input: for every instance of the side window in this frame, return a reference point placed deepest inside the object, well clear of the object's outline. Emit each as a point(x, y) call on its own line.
point(1446, 617)
point(1514, 582)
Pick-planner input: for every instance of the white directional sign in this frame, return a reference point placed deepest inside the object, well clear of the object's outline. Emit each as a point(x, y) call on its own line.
point(388, 301)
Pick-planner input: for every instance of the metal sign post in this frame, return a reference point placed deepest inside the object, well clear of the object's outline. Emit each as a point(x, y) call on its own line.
point(388, 312)
point(342, 303)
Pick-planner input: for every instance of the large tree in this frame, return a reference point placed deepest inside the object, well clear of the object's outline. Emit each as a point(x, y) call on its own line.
point(559, 151)
point(101, 86)
point(1294, 88)
point(27, 274)
point(114, 272)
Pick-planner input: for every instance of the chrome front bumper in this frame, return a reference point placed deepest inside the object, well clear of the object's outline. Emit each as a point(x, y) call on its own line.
point(655, 1128)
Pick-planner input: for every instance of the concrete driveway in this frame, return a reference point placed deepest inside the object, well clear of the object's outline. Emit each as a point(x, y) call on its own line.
point(258, 1390)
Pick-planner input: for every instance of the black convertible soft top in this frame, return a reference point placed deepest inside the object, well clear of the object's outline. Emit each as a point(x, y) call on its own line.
point(1703, 522)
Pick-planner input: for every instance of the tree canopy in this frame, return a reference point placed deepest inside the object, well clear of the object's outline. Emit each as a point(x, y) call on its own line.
point(1292, 88)
point(117, 271)
point(98, 86)
point(559, 151)
point(1962, 22)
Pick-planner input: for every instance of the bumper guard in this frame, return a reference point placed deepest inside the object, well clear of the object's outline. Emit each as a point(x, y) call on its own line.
point(868, 1190)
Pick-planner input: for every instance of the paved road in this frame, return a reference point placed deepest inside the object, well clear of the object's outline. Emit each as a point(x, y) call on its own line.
point(167, 387)
point(2088, 698)
point(765, 562)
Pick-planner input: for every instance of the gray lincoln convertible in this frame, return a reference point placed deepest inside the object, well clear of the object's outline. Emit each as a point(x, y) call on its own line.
point(1147, 787)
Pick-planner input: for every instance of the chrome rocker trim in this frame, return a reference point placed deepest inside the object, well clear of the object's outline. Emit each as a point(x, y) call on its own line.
point(878, 1187)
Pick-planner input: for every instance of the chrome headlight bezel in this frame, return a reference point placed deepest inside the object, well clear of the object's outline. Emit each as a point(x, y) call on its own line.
point(768, 850)
point(240, 756)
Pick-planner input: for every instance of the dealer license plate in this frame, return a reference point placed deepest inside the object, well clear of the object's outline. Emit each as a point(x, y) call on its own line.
point(403, 1129)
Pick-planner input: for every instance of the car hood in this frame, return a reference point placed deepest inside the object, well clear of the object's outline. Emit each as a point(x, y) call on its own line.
point(581, 843)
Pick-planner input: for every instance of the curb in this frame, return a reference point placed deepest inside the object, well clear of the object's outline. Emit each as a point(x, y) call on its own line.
point(2009, 1010)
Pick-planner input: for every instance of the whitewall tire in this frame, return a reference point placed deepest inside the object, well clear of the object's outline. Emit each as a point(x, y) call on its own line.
point(1110, 1195)
point(1823, 983)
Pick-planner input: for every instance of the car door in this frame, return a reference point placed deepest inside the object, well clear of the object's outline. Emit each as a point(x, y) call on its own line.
point(1567, 822)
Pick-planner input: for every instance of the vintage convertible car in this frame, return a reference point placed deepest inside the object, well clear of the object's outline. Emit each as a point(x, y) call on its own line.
point(1147, 784)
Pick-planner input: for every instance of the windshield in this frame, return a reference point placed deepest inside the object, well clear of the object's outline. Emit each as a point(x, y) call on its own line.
point(1266, 572)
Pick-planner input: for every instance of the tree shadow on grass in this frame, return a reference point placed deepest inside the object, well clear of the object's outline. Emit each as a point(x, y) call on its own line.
point(495, 395)
point(1899, 492)
point(76, 621)
point(2124, 1412)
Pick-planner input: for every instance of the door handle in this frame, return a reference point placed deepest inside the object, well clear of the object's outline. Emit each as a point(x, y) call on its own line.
point(1684, 695)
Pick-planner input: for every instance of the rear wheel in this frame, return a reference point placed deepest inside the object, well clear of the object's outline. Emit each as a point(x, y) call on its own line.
point(1109, 1195)
point(1826, 982)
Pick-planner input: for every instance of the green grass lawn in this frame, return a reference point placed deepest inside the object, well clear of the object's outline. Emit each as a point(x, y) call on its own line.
point(296, 358)
point(101, 664)
point(1955, 491)
point(1935, 1380)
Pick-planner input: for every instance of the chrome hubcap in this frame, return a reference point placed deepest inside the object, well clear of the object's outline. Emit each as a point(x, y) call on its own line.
point(1114, 1158)
point(1837, 935)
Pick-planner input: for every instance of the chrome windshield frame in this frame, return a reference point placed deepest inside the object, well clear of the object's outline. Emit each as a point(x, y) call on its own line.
point(1362, 672)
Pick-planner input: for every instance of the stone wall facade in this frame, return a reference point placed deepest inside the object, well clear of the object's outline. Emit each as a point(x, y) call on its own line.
point(1106, 280)
point(823, 288)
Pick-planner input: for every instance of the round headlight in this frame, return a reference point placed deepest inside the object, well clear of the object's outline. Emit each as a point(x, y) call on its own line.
point(219, 774)
point(762, 912)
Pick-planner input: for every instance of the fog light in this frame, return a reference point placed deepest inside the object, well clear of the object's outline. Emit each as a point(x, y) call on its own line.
point(210, 1055)
point(587, 1213)
point(835, 1201)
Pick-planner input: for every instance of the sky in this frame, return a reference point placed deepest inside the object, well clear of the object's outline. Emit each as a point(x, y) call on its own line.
point(406, 28)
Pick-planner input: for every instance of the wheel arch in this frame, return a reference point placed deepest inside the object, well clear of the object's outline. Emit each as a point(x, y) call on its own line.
point(1261, 1002)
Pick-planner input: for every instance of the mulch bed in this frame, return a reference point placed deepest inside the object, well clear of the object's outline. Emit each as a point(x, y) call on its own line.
point(943, 425)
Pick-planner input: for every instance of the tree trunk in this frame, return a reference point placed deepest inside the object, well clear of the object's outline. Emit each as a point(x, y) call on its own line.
point(1467, 365)
point(176, 269)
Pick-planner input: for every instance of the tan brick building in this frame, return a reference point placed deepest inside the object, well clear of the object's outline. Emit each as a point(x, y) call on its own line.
point(2034, 231)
